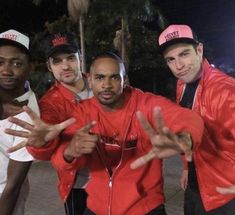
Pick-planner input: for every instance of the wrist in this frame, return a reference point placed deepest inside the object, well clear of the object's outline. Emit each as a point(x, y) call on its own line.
point(67, 155)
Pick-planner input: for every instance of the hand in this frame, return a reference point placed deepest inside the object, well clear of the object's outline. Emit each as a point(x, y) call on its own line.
point(184, 179)
point(165, 142)
point(12, 108)
point(83, 142)
point(226, 190)
point(38, 134)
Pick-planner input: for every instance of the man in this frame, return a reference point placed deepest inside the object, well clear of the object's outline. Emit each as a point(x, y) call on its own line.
point(107, 138)
point(14, 93)
point(210, 93)
point(63, 61)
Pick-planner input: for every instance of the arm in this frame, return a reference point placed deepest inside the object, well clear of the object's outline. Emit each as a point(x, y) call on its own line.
point(16, 174)
point(69, 155)
point(37, 134)
point(166, 143)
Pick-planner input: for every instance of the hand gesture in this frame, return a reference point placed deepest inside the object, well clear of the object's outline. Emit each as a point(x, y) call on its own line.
point(226, 190)
point(12, 108)
point(36, 134)
point(83, 142)
point(165, 142)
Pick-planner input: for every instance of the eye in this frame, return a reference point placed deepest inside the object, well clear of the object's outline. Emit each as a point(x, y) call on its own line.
point(116, 77)
point(55, 61)
point(169, 60)
point(17, 64)
point(99, 77)
point(72, 58)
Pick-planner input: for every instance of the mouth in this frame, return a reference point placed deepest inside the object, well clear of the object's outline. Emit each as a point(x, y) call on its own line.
point(181, 74)
point(67, 74)
point(106, 95)
point(7, 81)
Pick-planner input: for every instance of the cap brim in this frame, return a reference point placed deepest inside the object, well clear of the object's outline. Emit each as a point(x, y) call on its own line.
point(62, 48)
point(13, 43)
point(164, 46)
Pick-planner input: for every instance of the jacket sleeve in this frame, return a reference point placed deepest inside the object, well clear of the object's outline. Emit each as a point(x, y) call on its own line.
point(51, 112)
point(45, 152)
point(179, 119)
point(59, 163)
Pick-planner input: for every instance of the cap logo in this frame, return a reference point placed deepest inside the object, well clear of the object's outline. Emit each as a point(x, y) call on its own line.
point(59, 41)
point(10, 36)
point(172, 35)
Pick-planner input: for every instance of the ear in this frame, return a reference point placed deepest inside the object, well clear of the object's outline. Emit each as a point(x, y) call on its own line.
point(200, 49)
point(88, 76)
point(48, 66)
point(126, 81)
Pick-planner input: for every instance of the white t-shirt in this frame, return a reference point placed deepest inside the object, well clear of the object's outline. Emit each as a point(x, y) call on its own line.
point(7, 141)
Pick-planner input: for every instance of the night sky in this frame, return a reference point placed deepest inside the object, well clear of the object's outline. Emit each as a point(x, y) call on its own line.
point(212, 20)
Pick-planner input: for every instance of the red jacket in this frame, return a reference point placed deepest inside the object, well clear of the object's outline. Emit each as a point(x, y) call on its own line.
point(215, 157)
point(132, 192)
point(52, 111)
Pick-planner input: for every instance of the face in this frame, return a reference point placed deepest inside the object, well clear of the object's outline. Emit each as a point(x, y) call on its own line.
point(14, 68)
point(65, 68)
point(184, 61)
point(106, 80)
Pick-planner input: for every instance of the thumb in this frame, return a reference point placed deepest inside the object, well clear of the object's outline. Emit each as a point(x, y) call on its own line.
point(65, 124)
point(87, 127)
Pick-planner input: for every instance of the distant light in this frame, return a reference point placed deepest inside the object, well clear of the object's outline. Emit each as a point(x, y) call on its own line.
point(213, 65)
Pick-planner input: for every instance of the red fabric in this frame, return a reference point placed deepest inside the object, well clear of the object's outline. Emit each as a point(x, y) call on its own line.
point(215, 157)
point(52, 110)
point(133, 192)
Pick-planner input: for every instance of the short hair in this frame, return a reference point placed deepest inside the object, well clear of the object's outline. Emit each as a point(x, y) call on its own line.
point(112, 55)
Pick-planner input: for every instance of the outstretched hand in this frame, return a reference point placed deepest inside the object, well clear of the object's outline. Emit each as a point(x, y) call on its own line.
point(226, 190)
point(165, 143)
point(83, 142)
point(36, 134)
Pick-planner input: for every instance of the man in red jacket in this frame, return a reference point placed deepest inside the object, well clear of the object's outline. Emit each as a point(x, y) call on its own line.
point(116, 131)
point(63, 60)
point(210, 93)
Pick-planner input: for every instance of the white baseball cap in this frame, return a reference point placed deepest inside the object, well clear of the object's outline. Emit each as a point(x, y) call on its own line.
point(15, 38)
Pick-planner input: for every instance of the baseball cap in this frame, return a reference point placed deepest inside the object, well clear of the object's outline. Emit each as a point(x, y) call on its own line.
point(61, 42)
point(176, 34)
point(15, 38)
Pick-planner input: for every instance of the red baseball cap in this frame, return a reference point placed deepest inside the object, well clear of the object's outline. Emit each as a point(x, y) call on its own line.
point(176, 34)
point(61, 42)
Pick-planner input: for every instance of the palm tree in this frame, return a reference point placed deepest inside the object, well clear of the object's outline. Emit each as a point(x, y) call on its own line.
point(77, 10)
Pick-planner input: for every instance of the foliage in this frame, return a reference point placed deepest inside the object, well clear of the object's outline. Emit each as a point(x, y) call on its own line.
point(146, 68)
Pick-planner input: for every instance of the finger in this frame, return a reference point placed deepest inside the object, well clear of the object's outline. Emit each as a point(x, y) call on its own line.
point(159, 122)
point(17, 147)
point(226, 190)
point(31, 114)
point(145, 124)
point(88, 127)
point(16, 133)
point(61, 126)
point(21, 123)
point(143, 160)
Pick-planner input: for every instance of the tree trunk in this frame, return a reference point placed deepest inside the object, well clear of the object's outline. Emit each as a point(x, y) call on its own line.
point(82, 41)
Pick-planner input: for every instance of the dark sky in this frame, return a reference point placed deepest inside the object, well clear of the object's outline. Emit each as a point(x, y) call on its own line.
point(212, 20)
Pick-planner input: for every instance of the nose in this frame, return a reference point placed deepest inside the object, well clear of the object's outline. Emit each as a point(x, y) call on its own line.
point(65, 64)
point(107, 83)
point(179, 64)
point(6, 69)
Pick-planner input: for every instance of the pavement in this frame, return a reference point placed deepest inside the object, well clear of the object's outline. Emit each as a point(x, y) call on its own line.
point(44, 199)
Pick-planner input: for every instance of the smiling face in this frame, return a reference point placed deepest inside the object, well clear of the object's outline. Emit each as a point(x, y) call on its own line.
point(14, 69)
point(65, 68)
point(107, 82)
point(184, 61)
